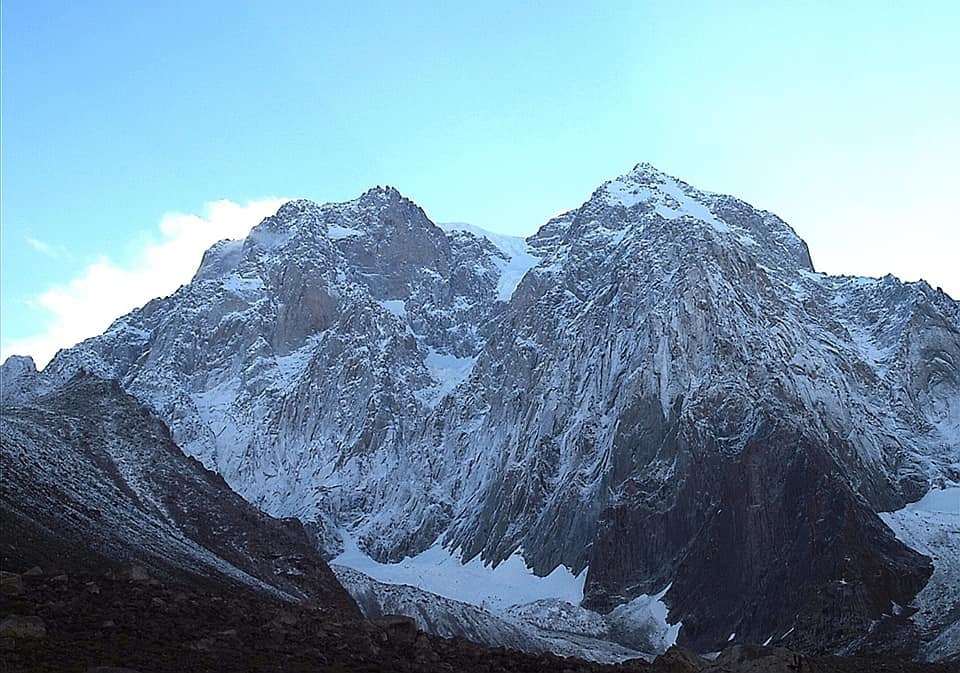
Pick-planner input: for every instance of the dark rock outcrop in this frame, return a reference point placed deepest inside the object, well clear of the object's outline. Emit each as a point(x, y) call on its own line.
point(91, 476)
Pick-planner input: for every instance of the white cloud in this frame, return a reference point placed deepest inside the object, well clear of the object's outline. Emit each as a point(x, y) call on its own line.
point(105, 290)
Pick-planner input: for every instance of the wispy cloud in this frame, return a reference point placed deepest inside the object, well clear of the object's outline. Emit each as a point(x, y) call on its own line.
point(44, 248)
point(104, 290)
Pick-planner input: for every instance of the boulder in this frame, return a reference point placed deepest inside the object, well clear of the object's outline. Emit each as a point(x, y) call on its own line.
point(678, 660)
point(757, 659)
point(18, 627)
point(400, 629)
point(136, 573)
point(11, 584)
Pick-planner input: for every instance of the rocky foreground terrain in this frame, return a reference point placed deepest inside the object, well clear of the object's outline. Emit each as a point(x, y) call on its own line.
point(118, 618)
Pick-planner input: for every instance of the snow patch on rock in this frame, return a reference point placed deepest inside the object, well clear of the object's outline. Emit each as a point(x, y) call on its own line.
point(336, 232)
point(395, 306)
point(931, 526)
point(449, 371)
point(669, 197)
point(441, 572)
point(519, 256)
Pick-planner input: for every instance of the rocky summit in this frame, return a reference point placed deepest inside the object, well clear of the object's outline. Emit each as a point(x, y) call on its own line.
point(656, 395)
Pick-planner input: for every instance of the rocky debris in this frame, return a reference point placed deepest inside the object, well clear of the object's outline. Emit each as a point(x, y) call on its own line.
point(136, 573)
point(757, 659)
point(753, 659)
point(284, 619)
point(11, 584)
point(16, 626)
point(218, 628)
point(678, 660)
point(400, 630)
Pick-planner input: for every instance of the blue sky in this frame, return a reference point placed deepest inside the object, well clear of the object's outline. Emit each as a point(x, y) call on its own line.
point(117, 116)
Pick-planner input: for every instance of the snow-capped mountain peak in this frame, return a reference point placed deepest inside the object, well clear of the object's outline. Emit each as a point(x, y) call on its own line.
point(656, 209)
point(655, 388)
point(667, 196)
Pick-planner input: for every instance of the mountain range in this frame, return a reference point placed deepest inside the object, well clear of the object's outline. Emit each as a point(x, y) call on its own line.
point(654, 408)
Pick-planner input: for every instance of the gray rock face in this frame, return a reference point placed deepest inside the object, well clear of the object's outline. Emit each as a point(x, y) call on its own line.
point(18, 375)
point(671, 394)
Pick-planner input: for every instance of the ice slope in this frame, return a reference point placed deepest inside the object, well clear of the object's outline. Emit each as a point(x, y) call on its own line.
point(442, 572)
point(635, 630)
point(932, 527)
point(450, 618)
point(518, 256)
point(511, 606)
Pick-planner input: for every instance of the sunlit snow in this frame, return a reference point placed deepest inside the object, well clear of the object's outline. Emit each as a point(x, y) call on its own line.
point(396, 306)
point(668, 196)
point(336, 232)
point(240, 285)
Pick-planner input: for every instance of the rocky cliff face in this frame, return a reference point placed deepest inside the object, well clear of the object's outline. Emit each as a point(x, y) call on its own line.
point(656, 386)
